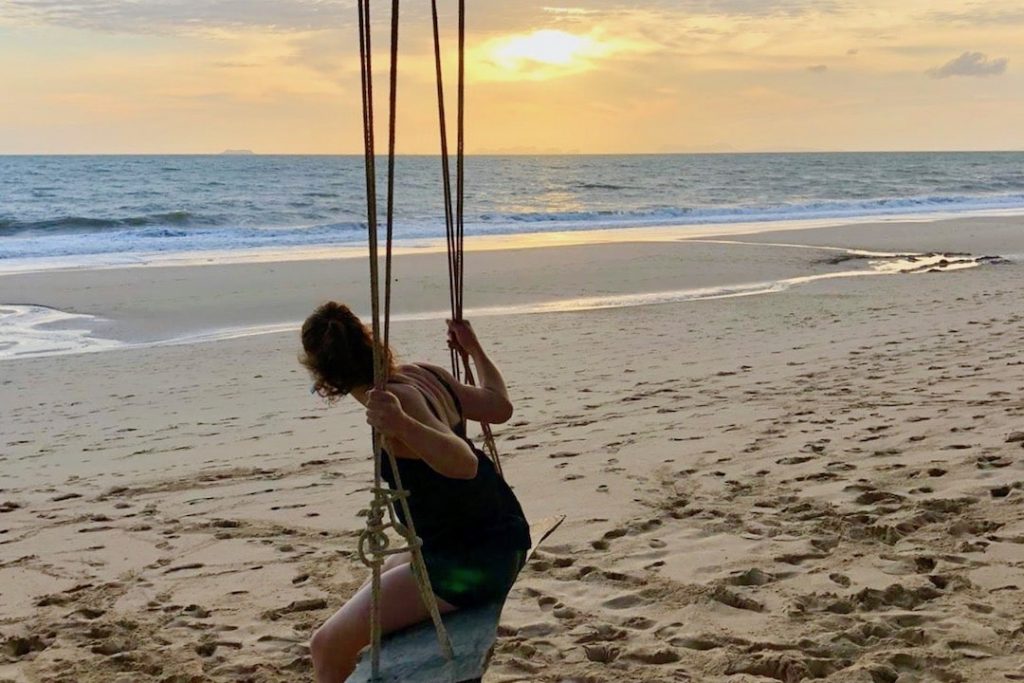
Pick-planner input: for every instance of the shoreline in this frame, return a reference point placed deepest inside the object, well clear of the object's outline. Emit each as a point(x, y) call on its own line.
point(33, 331)
point(488, 242)
point(58, 317)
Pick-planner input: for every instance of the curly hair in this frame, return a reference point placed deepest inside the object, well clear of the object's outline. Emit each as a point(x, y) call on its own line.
point(338, 351)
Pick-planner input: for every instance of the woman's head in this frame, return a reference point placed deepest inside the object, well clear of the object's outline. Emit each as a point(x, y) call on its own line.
point(337, 350)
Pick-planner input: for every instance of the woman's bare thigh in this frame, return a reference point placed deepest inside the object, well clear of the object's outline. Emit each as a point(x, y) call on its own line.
point(401, 607)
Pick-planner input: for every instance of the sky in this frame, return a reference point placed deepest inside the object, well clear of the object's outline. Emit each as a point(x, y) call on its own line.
point(544, 76)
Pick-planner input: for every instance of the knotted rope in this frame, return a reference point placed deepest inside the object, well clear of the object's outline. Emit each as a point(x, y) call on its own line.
point(374, 543)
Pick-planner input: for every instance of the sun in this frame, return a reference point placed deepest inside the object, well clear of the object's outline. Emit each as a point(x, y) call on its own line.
point(550, 47)
point(545, 54)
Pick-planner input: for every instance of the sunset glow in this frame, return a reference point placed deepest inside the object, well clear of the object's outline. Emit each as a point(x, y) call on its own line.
point(650, 76)
point(539, 55)
point(546, 47)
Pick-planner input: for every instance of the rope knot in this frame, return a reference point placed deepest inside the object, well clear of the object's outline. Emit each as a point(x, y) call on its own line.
point(373, 540)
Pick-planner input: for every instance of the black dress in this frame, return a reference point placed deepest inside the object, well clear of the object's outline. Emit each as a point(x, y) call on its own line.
point(475, 536)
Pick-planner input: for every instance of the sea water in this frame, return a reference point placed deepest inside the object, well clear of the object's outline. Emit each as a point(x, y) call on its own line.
point(91, 208)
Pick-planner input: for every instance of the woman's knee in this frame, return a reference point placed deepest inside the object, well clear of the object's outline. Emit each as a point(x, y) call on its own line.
point(322, 649)
point(320, 646)
point(336, 642)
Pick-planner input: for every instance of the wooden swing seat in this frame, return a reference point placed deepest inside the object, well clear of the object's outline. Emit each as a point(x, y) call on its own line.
point(412, 655)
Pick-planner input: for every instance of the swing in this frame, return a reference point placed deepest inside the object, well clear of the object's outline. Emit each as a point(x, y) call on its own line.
point(411, 656)
point(458, 647)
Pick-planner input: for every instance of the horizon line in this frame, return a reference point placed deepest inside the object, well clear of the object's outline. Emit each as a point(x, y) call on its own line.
point(518, 154)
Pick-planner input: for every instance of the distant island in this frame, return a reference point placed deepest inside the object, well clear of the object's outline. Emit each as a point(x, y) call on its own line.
point(237, 152)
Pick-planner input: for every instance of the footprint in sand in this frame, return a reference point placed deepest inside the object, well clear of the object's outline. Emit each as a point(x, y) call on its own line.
point(625, 601)
point(656, 656)
point(20, 647)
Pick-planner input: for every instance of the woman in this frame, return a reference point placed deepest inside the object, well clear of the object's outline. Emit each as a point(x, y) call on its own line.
point(475, 536)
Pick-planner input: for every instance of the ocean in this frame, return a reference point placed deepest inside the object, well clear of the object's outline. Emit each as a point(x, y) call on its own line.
point(111, 209)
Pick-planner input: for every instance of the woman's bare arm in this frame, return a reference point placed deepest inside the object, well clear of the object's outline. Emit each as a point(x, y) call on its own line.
point(488, 402)
point(402, 415)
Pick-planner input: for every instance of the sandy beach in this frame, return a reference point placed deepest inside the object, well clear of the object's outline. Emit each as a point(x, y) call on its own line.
point(779, 461)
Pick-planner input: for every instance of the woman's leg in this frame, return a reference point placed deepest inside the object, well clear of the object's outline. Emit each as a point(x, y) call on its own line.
point(336, 644)
point(397, 560)
point(391, 562)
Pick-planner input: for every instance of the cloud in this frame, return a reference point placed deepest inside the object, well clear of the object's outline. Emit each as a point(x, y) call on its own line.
point(194, 16)
point(574, 11)
point(180, 16)
point(980, 17)
point(759, 8)
point(754, 8)
point(976, 64)
point(228, 64)
point(818, 68)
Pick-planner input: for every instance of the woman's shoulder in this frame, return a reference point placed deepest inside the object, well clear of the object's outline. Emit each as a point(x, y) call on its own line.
point(426, 370)
point(438, 371)
point(410, 378)
point(433, 381)
point(419, 365)
point(409, 396)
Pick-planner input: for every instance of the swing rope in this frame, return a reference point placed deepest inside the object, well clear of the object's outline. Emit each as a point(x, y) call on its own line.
point(374, 543)
point(455, 225)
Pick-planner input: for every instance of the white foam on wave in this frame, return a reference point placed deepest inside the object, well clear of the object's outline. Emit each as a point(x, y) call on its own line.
point(660, 227)
point(26, 331)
